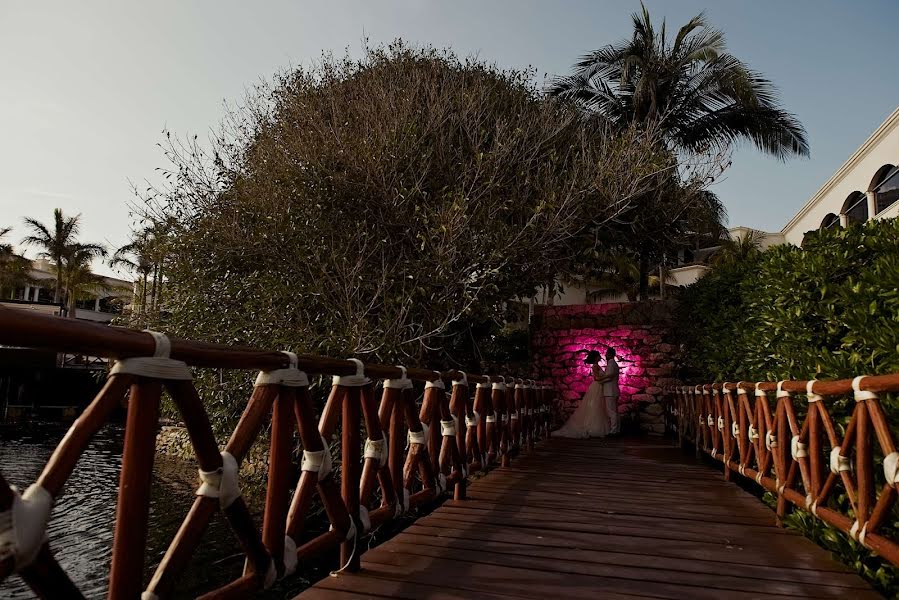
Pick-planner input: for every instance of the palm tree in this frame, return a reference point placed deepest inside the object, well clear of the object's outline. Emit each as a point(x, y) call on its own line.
point(618, 275)
point(697, 94)
point(690, 90)
point(54, 242)
point(137, 257)
point(739, 249)
point(13, 268)
point(77, 276)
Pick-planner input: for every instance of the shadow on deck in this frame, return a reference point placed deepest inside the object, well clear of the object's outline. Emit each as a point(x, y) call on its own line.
point(625, 518)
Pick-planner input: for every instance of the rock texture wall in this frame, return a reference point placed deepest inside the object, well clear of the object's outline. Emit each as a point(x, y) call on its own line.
point(642, 334)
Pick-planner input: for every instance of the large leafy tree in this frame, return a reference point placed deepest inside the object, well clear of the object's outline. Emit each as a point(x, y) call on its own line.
point(54, 242)
point(386, 207)
point(700, 99)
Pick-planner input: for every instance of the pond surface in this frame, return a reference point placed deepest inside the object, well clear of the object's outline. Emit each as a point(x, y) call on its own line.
point(81, 525)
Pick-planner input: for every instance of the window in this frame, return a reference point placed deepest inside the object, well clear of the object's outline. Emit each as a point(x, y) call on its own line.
point(855, 208)
point(830, 221)
point(887, 193)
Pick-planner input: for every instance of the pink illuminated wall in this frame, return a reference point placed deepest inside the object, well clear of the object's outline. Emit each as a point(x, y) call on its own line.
point(642, 335)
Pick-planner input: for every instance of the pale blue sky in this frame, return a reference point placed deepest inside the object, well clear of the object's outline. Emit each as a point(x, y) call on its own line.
point(87, 87)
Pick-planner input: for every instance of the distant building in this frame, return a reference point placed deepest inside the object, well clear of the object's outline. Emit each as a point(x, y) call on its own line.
point(109, 298)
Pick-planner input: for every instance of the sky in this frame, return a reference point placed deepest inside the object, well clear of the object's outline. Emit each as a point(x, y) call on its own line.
point(88, 87)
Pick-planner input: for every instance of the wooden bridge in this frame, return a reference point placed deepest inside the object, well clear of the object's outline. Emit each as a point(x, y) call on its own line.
point(531, 516)
point(617, 518)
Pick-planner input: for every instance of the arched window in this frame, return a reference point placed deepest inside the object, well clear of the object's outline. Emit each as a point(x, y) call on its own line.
point(855, 208)
point(885, 186)
point(831, 220)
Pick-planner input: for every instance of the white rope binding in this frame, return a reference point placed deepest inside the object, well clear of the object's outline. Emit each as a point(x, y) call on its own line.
point(357, 380)
point(463, 381)
point(485, 384)
point(448, 427)
point(437, 383)
point(23, 526)
point(377, 449)
point(419, 437)
point(840, 463)
point(318, 461)
point(860, 394)
point(403, 383)
point(798, 449)
point(812, 396)
point(158, 366)
point(288, 377)
point(473, 421)
point(221, 483)
point(891, 468)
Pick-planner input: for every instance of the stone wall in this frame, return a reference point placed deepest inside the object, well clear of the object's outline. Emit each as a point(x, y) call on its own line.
point(642, 334)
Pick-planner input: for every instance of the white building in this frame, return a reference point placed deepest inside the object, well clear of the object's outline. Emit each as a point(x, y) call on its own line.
point(107, 300)
point(865, 187)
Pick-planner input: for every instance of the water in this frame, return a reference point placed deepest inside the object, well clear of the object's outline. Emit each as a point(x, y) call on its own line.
point(81, 525)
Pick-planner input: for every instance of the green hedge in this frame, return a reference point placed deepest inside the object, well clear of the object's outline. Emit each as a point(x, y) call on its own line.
point(829, 309)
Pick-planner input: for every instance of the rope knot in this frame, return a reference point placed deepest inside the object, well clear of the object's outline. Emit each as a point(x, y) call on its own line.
point(317, 461)
point(23, 526)
point(377, 449)
point(403, 383)
point(290, 376)
point(221, 483)
point(860, 394)
point(357, 380)
point(158, 366)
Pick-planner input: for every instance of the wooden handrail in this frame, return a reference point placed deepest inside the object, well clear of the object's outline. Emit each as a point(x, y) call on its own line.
point(802, 461)
point(456, 443)
point(92, 339)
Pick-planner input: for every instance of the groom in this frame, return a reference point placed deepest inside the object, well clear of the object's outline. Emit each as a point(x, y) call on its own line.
point(610, 391)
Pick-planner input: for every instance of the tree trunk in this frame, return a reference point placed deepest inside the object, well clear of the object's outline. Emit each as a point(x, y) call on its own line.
point(644, 276)
point(153, 288)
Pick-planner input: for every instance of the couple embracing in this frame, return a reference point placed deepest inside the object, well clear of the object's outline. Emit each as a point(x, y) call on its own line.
point(597, 414)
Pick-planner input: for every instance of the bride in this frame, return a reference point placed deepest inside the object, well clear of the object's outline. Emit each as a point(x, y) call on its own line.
point(591, 418)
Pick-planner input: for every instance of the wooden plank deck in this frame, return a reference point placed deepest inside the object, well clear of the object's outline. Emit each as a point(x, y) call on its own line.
point(598, 519)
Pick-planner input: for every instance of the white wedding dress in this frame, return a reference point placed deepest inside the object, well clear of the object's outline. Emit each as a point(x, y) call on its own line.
point(591, 418)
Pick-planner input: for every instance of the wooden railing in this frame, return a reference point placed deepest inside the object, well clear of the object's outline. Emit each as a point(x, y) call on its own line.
point(449, 436)
point(800, 451)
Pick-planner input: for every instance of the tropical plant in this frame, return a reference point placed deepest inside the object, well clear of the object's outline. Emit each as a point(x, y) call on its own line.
point(697, 94)
point(78, 279)
point(739, 249)
point(54, 242)
point(700, 99)
point(144, 255)
point(617, 274)
point(14, 269)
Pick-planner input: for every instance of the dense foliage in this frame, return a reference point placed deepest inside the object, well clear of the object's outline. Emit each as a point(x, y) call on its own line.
point(829, 309)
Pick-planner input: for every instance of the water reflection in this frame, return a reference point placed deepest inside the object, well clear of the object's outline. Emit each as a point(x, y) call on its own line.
point(81, 526)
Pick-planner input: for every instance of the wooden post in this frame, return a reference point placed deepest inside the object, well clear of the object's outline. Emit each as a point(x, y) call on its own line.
point(133, 506)
point(351, 456)
point(277, 493)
